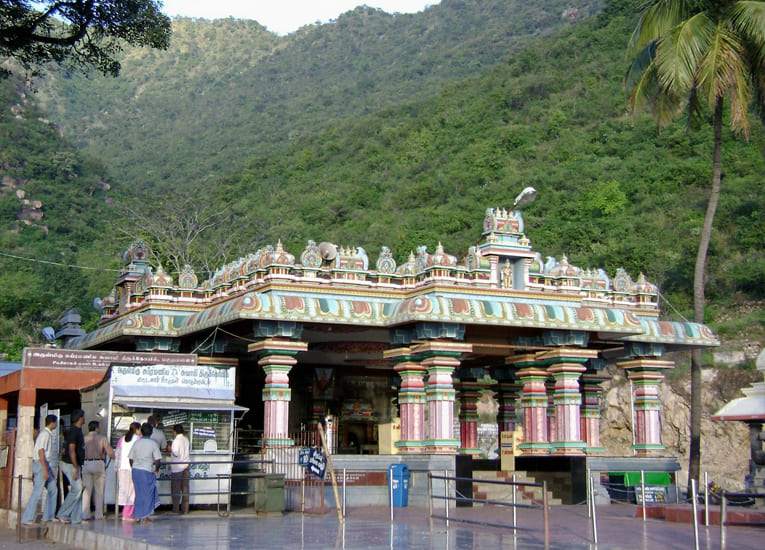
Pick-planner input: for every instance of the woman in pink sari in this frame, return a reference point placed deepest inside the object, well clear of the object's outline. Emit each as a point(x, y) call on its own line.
point(126, 495)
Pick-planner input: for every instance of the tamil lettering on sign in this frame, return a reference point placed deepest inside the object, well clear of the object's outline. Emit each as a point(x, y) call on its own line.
point(175, 417)
point(205, 433)
point(303, 456)
point(209, 417)
point(654, 494)
point(99, 360)
point(317, 463)
point(164, 380)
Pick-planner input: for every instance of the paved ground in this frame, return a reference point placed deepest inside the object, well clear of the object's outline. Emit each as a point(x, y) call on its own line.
point(370, 528)
point(8, 541)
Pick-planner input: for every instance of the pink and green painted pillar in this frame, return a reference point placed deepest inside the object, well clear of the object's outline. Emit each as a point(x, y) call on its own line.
point(591, 391)
point(469, 394)
point(566, 366)
point(440, 358)
point(277, 357)
point(411, 399)
point(507, 395)
point(646, 377)
point(532, 378)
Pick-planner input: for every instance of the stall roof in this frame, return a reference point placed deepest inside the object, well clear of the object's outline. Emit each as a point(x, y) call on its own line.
point(186, 404)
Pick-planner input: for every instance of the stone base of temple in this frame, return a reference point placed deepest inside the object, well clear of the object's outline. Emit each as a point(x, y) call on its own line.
point(648, 449)
point(535, 448)
point(594, 450)
point(567, 448)
point(471, 452)
point(405, 447)
point(442, 446)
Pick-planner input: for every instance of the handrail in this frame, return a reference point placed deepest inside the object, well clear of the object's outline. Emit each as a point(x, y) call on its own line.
point(237, 475)
point(544, 506)
point(724, 514)
point(217, 477)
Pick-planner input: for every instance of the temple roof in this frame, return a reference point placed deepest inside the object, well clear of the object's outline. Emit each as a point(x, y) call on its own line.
point(501, 282)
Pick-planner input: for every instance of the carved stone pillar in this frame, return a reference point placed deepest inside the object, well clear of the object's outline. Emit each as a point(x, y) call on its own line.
point(552, 427)
point(533, 403)
point(507, 395)
point(469, 395)
point(411, 400)
point(591, 390)
point(440, 358)
point(277, 357)
point(25, 442)
point(646, 376)
point(566, 365)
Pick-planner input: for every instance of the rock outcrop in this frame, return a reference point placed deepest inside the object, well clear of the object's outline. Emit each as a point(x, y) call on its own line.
point(724, 445)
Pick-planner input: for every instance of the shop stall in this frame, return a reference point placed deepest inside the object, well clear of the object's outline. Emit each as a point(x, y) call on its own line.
point(200, 397)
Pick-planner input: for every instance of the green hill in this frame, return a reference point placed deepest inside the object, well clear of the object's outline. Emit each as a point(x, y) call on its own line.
point(54, 216)
point(228, 89)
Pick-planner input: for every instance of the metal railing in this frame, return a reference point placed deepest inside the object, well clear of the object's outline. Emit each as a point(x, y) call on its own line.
point(724, 513)
point(514, 504)
point(220, 495)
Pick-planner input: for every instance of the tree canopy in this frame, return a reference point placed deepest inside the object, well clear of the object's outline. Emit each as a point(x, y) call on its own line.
point(83, 33)
point(687, 55)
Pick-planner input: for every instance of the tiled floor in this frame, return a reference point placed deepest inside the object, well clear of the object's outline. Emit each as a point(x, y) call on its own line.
point(370, 528)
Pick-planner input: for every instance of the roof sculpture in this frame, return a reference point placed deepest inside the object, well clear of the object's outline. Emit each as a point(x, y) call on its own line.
point(501, 282)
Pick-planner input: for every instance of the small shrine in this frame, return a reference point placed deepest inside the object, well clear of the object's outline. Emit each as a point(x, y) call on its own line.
point(751, 409)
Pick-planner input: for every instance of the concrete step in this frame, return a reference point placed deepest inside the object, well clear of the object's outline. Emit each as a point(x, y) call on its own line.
point(504, 493)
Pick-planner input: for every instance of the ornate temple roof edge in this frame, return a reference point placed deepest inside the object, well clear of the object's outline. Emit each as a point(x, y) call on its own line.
point(677, 333)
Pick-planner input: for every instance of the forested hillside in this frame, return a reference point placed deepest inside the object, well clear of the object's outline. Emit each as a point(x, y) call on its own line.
point(376, 130)
point(227, 90)
point(54, 213)
point(612, 191)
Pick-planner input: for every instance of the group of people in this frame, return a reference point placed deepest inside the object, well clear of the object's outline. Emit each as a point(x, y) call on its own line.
point(83, 464)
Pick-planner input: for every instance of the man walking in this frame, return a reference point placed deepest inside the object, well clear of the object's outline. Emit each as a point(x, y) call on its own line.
point(179, 470)
point(97, 448)
point(71, 462)
point(44, 467)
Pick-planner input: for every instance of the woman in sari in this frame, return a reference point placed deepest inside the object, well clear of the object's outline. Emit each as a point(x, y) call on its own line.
point(144, 459)
point(126, 496)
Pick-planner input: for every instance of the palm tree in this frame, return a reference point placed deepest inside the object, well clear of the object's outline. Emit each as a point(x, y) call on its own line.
point(690, 57)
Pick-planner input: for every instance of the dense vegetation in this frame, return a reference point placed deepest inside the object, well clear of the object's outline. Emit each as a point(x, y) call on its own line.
point(300, 146)
point(53, 214)
point(227, 90)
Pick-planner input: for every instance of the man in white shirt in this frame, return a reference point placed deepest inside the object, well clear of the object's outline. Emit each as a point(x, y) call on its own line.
point(179, 470)
point(44, 468)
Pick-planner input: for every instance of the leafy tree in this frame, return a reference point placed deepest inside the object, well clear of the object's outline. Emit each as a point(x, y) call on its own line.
point(84, 33)
point(688, 55)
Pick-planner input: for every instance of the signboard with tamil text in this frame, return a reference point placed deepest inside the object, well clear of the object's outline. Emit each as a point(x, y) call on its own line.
point(99, 360)
point(317, 463)
point(161, 380)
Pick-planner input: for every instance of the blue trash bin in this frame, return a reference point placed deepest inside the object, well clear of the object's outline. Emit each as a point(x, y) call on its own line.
point(398, 477)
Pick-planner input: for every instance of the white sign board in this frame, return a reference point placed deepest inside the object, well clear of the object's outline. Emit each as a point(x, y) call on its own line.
point(199, 381)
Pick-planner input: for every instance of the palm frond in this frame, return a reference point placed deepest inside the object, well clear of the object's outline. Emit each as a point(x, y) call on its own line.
point(644, 89)
point(748, 19)
point(695, 110)
point(666, 107)
point(657, 20)
point(640, 62)
point(724, 71)
point(681, 50)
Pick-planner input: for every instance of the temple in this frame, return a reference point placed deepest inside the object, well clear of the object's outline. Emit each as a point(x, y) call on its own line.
point(333, 334)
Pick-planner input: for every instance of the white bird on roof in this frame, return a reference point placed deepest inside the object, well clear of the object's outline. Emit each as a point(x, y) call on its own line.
point(526, 196)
